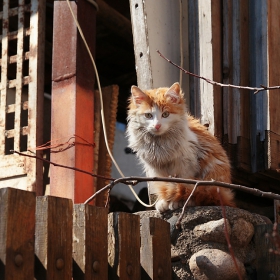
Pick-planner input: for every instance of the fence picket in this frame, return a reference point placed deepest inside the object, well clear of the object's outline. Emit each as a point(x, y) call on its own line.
point(80, 241)
point(155, 249)
point(124, 246)
point(17, 220)
point(90, 243)
point(53, 238)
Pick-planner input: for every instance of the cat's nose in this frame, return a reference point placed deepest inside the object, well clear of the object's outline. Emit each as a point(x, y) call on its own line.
point(157, 126)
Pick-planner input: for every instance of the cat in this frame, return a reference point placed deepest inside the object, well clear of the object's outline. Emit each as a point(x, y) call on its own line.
point(170, 142)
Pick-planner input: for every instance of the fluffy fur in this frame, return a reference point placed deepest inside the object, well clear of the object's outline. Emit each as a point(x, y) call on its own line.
point(170, 142)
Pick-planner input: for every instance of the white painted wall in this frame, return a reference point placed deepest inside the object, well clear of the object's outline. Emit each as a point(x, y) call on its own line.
point(128, 164)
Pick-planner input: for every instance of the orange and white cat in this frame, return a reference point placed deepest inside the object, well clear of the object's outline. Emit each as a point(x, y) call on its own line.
point(170, 142)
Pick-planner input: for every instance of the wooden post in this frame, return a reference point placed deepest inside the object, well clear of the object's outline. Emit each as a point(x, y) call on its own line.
point(124, 246)
point(17, 228)
point(53, 242)
point(155, 249)
point(73, 100)
point(90, 246)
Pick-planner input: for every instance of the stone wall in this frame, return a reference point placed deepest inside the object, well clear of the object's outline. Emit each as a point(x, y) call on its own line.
point(200, 250)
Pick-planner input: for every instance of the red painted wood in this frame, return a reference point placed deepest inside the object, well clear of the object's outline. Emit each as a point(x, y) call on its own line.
point(73, 100)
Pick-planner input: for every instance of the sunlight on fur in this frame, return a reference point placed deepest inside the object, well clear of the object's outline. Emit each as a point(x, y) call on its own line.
point(170, 142)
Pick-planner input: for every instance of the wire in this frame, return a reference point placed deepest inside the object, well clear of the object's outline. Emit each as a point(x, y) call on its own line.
point(101, 105)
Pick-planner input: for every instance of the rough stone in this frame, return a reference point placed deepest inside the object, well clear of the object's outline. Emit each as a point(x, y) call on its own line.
point(186, 242)
point(213, 264)
point(213, 231)
point(242, 232)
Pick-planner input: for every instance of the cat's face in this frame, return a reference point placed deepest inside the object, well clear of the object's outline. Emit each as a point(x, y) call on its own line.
point(156, 110)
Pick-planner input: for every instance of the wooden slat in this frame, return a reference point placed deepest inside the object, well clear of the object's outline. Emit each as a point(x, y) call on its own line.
point(273, 37)
point(236, 102)
point(53, 242)
point(19, 75)
point(141, 44)
point(234, 98)
point(243, 142)
point(103, 161)
point(90, 258)
point(4, 73)
point(267, 263)
point(124, 246)
point(209, 20)
point(194, 84)
point(17, 228)
point(258, 74)
point(216, 18)
point(155, 249)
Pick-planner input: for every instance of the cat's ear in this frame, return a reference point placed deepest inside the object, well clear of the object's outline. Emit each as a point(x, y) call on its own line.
point(137, 95)
point(174, 93)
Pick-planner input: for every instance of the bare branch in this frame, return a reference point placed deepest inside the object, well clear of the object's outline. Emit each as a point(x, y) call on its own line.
point(178, 223)
point(134, 180)
point(255, 89)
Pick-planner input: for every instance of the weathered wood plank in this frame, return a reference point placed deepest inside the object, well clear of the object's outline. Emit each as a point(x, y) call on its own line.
point(53, 242)
point(90, 246)
point(155, 249)
point(141, 44)
point(124, 246)
point(104, 162)
point(273, 37)
point(194, 84)
point(206, 63)
point(267, 263)
point(216, 18)
point(17, 228)
point(243, 142)
point(258, 75)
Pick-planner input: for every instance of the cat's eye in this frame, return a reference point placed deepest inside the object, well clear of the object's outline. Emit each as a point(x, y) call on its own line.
point(165, 114)
point(148, 115)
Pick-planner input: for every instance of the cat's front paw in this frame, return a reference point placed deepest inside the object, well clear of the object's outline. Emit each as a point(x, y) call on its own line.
point(163, 205)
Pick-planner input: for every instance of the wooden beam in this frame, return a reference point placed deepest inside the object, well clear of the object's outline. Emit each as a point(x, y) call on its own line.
point(73, 100)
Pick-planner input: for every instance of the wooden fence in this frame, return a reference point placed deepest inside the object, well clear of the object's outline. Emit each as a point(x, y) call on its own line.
point(50, 238)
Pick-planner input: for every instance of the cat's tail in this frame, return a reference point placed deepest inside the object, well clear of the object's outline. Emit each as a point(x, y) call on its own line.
point(174, 195)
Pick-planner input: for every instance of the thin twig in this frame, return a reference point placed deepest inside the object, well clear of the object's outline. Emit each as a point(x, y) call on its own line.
point(178, 223)
point(227, 235)
point(255, 89)
point(109, 186)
